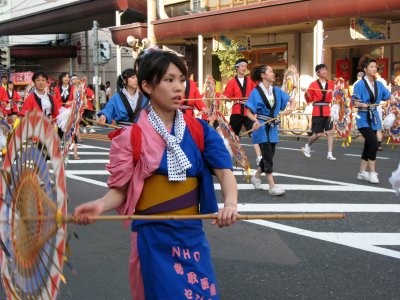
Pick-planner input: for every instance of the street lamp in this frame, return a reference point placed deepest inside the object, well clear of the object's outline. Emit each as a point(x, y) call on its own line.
point(137, 46)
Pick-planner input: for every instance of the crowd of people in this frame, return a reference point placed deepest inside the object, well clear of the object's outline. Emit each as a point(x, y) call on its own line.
point(163, 159)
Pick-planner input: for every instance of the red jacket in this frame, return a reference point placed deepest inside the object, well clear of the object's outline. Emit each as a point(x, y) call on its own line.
point(89, 98)
point(57, 94)
point(232, 90)
point(30, 104)
point(316, 95)
point(8, 106)
point(192, 92)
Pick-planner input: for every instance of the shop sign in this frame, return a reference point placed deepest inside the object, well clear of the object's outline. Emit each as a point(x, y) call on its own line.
point(21, 77)
point(369, 29)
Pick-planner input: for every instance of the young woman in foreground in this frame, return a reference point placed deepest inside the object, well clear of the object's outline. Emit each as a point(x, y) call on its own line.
point(170, 175)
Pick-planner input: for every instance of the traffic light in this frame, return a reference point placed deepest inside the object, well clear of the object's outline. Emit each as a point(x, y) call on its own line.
point(5, 57)
point(104, 52)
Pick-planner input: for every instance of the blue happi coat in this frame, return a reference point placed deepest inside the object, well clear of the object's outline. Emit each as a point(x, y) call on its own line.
point(115, 109)
point(256, 104)
point(362, 93)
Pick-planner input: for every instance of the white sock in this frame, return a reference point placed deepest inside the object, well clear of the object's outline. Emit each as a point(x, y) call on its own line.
point(330, 154)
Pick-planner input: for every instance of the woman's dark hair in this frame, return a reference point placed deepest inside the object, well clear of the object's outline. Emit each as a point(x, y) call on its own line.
point(124, 77)
point(10, 82)
point(154, 65)
point(257, 71)
point(365, 60)
point(60, 78)
point(138, 60)
point(90, 87)
point(39, 73)
point(102, 87)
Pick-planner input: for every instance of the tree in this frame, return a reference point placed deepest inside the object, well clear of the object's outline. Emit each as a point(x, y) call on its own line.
point(228, 56)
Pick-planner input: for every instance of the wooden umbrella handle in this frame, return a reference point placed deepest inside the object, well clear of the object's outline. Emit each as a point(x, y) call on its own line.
point(75, 219)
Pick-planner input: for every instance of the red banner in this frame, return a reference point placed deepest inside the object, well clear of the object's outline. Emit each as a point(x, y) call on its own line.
point(343, 69)
point(382, 64)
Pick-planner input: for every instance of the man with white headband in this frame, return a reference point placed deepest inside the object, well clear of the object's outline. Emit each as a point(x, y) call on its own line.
point(237, 90)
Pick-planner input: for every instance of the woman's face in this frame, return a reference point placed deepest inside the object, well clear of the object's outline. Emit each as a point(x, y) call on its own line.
point(167, 94)
point(65, 79)
point(10, 86)
point(269, 75)
point(132, 82)
point(371, 69)
point(40, 84)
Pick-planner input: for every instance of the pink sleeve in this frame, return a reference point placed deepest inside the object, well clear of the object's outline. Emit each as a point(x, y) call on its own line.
point(121, 160)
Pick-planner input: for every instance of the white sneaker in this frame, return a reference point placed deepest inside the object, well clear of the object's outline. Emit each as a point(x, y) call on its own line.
point(256, 182)
point(84, 130)
point(363, 175)
point(258, 159)
point(276, 191)
point(306, 150)
point(330, 157)
point(373, 177)
point(91, 130)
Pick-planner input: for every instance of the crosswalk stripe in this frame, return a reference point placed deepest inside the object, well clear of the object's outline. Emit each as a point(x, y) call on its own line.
point(89, 161)
point(317, 207)
point(90, 153)
point(314, 187)
point(359, 155)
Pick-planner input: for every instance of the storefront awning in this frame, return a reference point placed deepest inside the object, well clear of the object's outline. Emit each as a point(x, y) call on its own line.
point(270, 13)
point(42, 52)
point(76, 17)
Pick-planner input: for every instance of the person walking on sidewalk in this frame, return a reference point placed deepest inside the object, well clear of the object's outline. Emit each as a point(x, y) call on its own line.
point(264, 104)
point(367, 94)
point(320, 94)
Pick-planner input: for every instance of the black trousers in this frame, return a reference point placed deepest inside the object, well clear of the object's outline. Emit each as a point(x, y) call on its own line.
point(267, 152)
point(237, 121)
point(370, 144)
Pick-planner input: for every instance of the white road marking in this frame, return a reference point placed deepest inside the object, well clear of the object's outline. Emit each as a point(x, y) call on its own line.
point(317, 207)
point(90, 153)
point(89, 161)
point(314, 187)
point(81, 146)
point(359, 155)
point(363, 241)
point(367, 241)
point(95, 182)
point(283, 148)
point(87, 172)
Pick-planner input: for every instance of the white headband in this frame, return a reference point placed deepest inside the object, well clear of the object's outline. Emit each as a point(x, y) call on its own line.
point(241, 63)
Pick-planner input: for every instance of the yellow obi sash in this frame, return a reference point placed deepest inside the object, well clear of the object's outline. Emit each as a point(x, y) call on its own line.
point(161, 196)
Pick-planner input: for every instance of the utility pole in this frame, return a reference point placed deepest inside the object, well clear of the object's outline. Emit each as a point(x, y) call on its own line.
point(96, 64)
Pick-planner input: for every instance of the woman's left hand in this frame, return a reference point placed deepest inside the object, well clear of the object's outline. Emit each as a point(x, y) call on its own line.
point(226, 216)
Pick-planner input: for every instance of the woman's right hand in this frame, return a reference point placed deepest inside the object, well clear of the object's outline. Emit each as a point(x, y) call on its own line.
point(256, 125)
point(83, 212)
